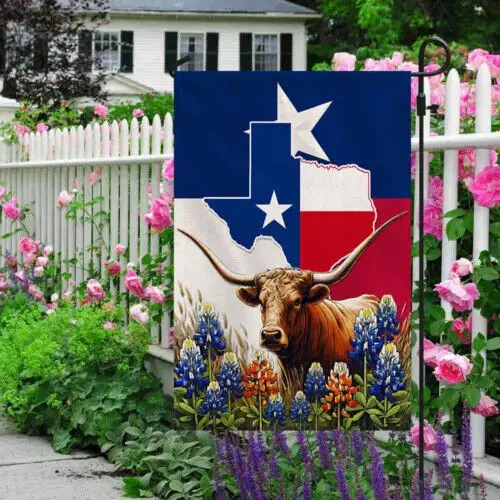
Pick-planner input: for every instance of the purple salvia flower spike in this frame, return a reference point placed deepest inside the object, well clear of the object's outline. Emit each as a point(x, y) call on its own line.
point(442, 456)
point(357, 446)
point(428, 485)
point(341, 482)
point(377, 472)
point(467, 459)
point(306, 488)
point(281, 442)
point(324, 452)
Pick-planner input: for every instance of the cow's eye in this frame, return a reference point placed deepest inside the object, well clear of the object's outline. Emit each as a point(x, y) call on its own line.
point(297, 302)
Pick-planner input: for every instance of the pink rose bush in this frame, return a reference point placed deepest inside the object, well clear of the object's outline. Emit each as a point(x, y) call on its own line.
point(11, 210)
point(168, 170)
point(343, 61)
point(433, 208)
point(138, 113)
point(120, 249)
point(101, 110)
point(160, 216)
point(485, 188)
point(463, 329)
point(95, 177)
point(460, 296)
point(95, 290)
point(461, 267)
point(452, 368)
point(432, 352)
point(64, 199)
point(487, 407)
point(430, 436)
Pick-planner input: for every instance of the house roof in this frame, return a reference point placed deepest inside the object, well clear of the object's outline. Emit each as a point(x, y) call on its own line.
point(212, 6)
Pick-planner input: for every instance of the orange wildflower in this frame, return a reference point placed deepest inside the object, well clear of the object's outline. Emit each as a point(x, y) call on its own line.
point(259, 377)
point(340, 390)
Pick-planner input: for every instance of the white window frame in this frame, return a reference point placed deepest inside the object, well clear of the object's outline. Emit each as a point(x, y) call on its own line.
point(94, 53)
point(278, 50)
point(204, 55)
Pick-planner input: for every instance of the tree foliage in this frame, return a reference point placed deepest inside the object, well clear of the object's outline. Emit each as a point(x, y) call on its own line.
point(373, 28)
point(42, 62)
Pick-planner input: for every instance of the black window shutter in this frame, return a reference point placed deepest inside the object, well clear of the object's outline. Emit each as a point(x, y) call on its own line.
point(246, 52)
point(85, 49)
point(170, 50)
point(2, 51)
point(212, 60)
point(40, 53)
point(286, 55)
point(127, 52)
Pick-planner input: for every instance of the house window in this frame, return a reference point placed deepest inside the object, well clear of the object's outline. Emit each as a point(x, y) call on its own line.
point(265, 49)
point(107, 50)
point(192, 44)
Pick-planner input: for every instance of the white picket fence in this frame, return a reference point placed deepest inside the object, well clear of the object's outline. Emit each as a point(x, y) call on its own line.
point(44, 164)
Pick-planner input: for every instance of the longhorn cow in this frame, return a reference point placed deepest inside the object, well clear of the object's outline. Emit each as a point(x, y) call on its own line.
point(300, 322)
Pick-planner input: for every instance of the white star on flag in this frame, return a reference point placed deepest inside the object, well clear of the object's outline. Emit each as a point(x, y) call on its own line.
point(302, 123)
point(274, 211)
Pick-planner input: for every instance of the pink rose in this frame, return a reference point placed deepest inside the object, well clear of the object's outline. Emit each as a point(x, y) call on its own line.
point(11, 210)
point(139, 312)
point(432, 352)
point(476, 58)
point(138, 113)
point(461, 267)
point(120, 249)
point(343, 61)
point(485, 188)
point(467, 99)
point(27, 245)
point(29, 259)
point(47, 250)
point(433, 218)
point(168, 170)
point(112, 267)
point(2, 192)
point(134, 284)
point(101, 110)
point(452, 368)
point(486, 406)
point(408, 66)
point(108, 307)
point(41, 127)
point(38, 272)
point(108, 325)
point(4, 285)
point(378, 65)
point(494, 65)
point(21, 276)
point(159, 218)
point(21, 129)
point(95, 177)
point(35, 293)
point(64, 199)
point(436, 187)
point(155, 294)
point(463, 329)
point(429, 436)
point(41, 261)
point(460, 296)
point(396, 59)
point(95, 290)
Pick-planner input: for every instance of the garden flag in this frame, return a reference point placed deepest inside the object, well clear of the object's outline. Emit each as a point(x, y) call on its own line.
point(292, 250)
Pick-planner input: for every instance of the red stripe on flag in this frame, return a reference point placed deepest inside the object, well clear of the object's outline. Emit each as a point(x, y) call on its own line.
point(384, 268)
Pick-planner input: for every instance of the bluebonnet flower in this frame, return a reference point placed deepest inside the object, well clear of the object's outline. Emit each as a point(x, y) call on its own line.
point(387, 320)
point(229, 376)
point(275, 411)
point(389, 376)
point(214, 402)
point(366, 339)
point(300, 409)
point(209, 333)
point(190, 369)
point(315, 384)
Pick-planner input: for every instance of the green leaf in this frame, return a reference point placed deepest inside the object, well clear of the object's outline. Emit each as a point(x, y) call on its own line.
point(472, 395)
point(186, 408)
point(433, 254)
point(479, 342)
point(488, 273)
point(399, 395)
point(176, 485)
point(455, 229)
point(493, 344)
point(358, 379)
point(146, 260)
point(457, 212)
point(437, 327)
point(360, 398)
point(437, 312)
point(495, 229)
point(357, 416)
point(395, 409)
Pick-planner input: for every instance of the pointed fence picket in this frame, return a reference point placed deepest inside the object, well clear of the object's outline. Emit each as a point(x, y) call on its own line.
point(130, 157)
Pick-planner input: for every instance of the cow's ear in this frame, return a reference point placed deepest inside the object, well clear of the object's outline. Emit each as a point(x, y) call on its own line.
point(248, 295)
point(317, 293)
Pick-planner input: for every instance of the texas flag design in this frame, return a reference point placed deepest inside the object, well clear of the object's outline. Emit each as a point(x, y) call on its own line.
point(293, 169)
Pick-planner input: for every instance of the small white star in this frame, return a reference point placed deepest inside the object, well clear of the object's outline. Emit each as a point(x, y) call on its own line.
point(274, 211)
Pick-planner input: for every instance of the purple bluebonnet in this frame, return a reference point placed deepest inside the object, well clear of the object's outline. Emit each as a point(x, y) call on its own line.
point(190, 369)
point(389, 376)
point(376, 471)
point(341, 482)
point(229, 377)
point(315, 384)
point(338, 438)
point(214, 401)
point(467, 460)
point(357, 446)
point(324, 450)
point(281, 442)
point(366, 341)
point(306, 488)
point(387, 320)
point(209, 333)
point(442, 456)
point(300, 409)
point(275, 411)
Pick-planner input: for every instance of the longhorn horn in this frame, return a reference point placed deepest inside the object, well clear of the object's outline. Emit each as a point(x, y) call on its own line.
point(227, 274)
point(342, 270)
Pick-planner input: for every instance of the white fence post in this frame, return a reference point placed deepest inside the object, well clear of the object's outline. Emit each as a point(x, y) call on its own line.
point(415, 272)
point(481, 232)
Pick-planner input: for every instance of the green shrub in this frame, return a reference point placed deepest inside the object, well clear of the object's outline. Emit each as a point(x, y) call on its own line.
point(66, 375)
point(151, 105)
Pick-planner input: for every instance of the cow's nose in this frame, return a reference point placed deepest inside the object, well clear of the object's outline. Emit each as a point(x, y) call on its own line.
point(271, 335)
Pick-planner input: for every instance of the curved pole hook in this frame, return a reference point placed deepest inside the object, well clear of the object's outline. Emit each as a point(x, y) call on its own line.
point(421, 55)
point(180, 62)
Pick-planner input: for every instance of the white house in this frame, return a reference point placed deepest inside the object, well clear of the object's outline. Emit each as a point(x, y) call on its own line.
point(144, 38)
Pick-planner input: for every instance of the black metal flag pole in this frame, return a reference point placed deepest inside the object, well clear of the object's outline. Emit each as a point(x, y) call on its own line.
point(421, 110)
